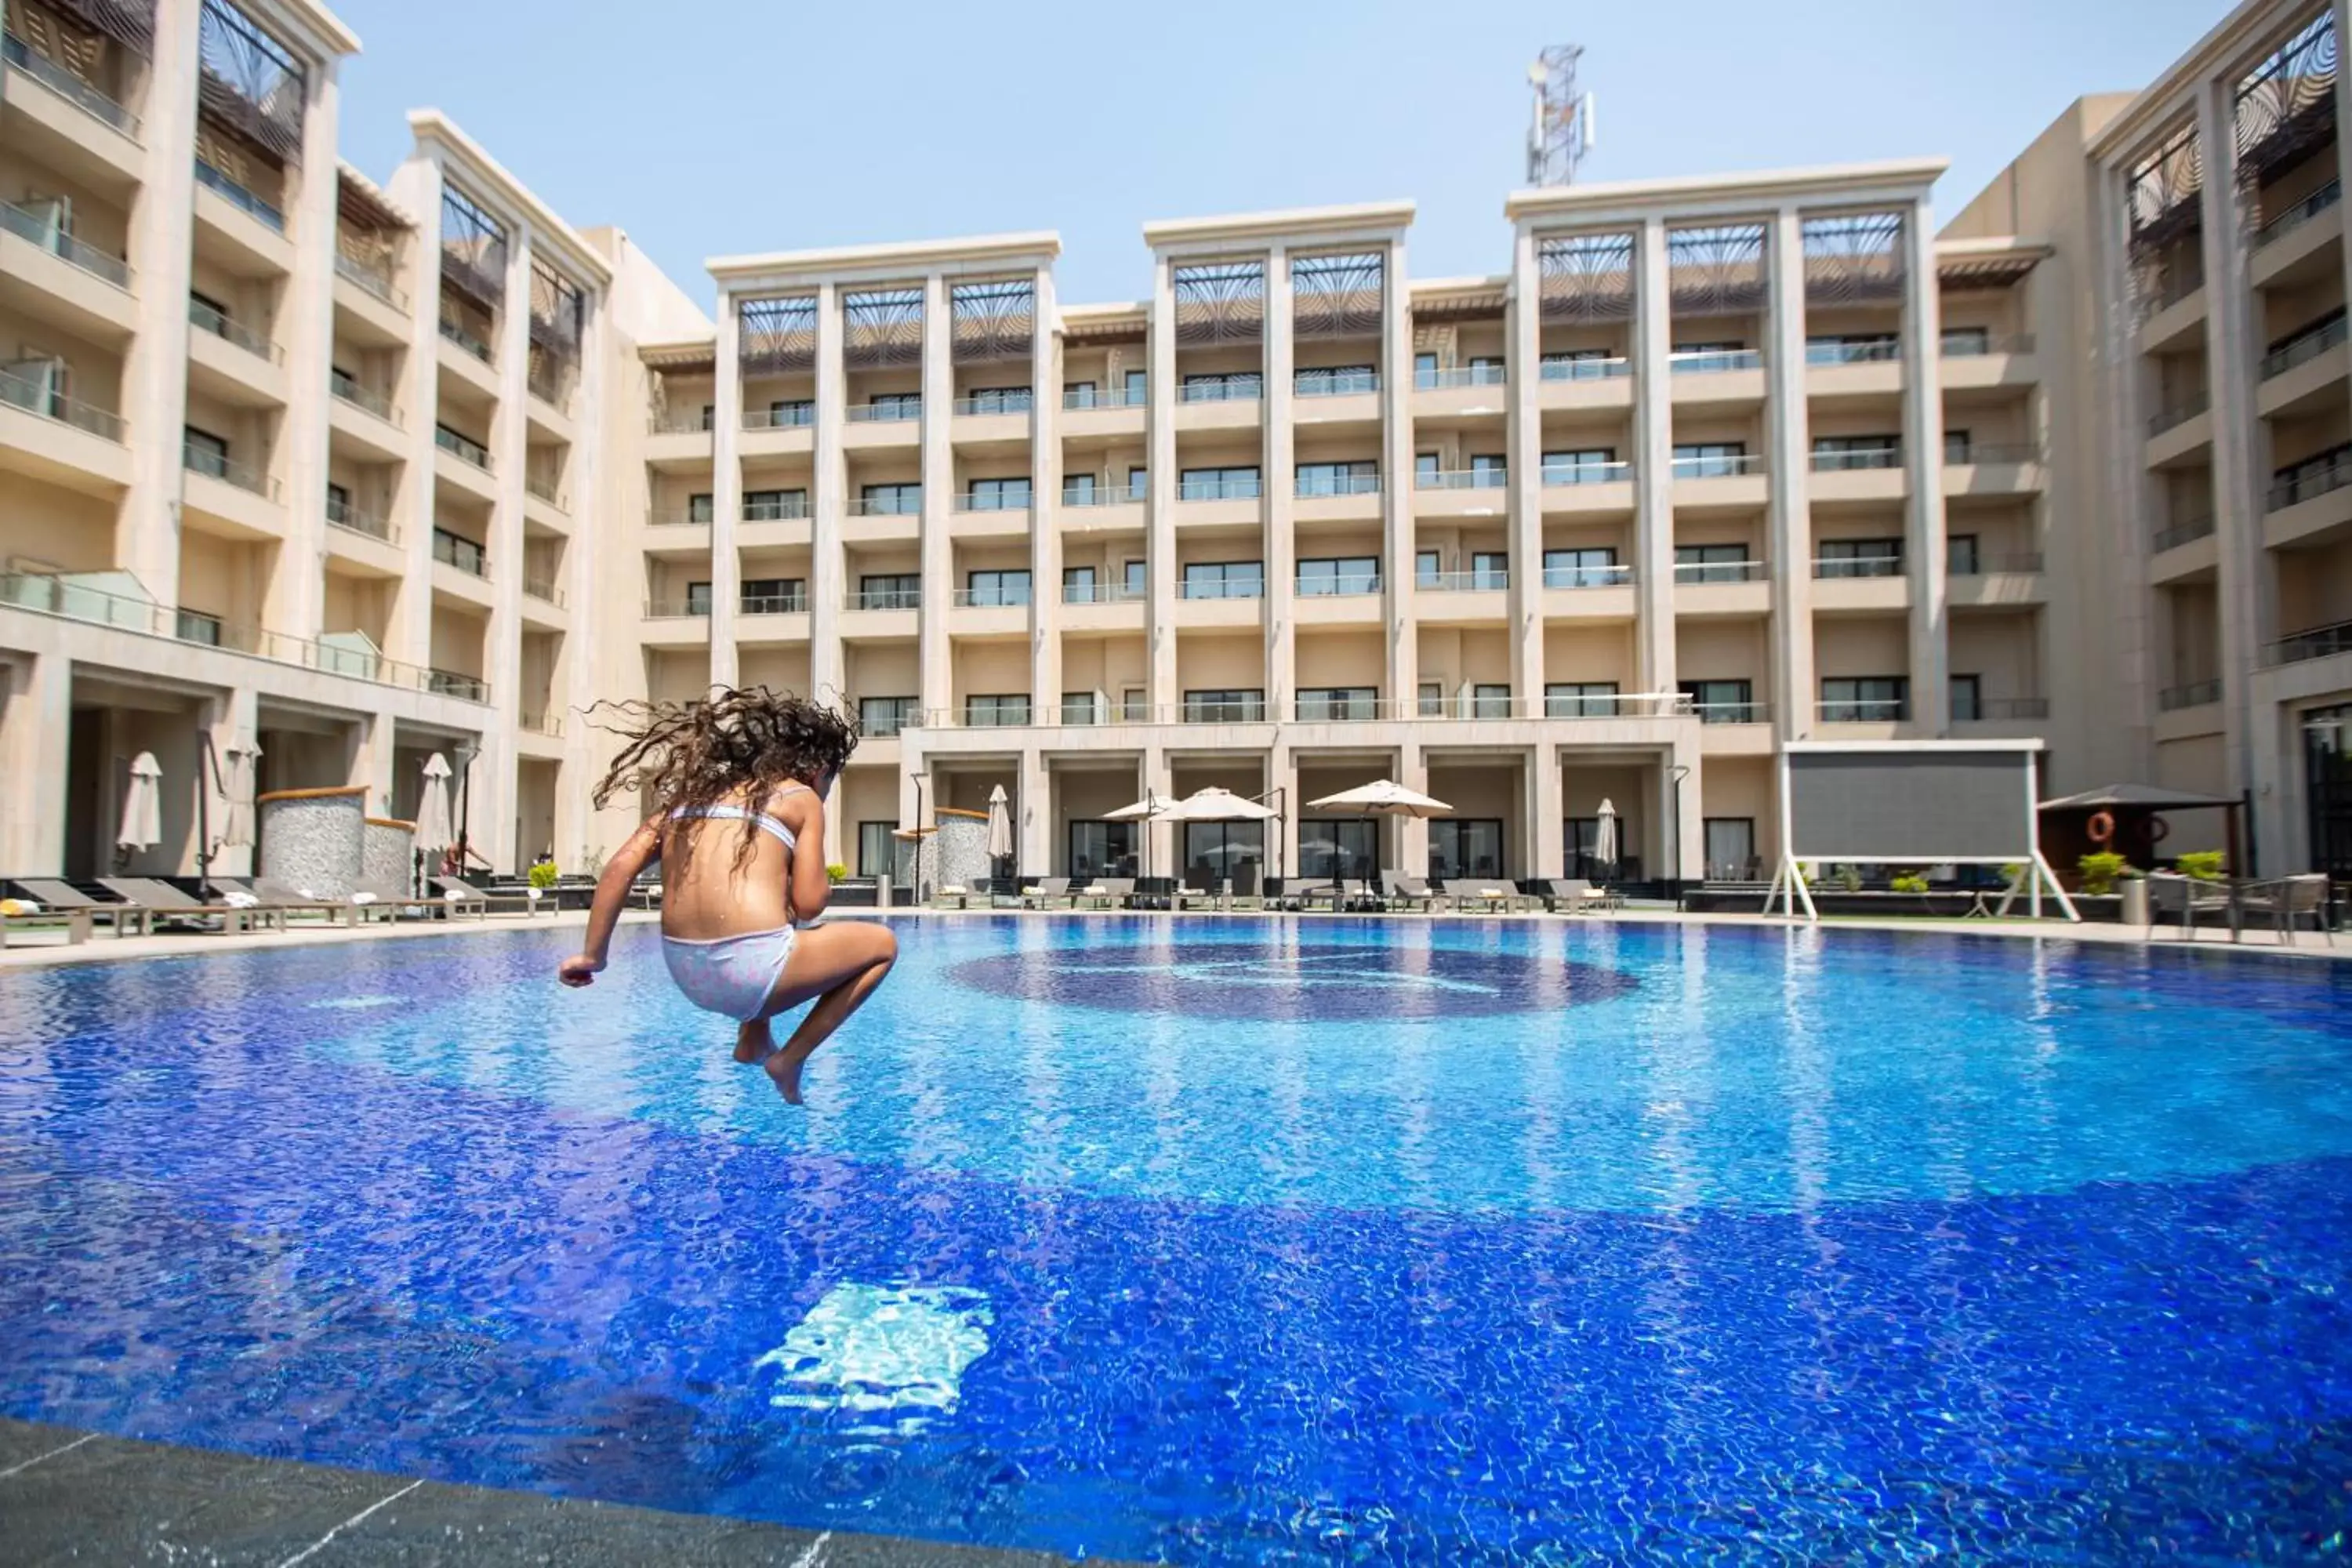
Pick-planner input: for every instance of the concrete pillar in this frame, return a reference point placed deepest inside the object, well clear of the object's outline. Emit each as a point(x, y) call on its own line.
point(828, 562)
point(1159, 514)
point(932, 647)
point(1524, 455)
point(409, 635)
point(373, 762)
point(232, 720)
point(1653, 456)
point(1159, 781)
point(1396, 483)
point(491, 825)
point(1278, 553)
point(593, 521)
point(1682, 808)
point(1411, 850)
point(1044, 518)
point(1923, 462)
point(1282, 837)
point(154, 370)
point(1789, 522)
point(36, 724)
point(1034, 829)
point(726, 490)
point(306, 325)
point(1548, 834)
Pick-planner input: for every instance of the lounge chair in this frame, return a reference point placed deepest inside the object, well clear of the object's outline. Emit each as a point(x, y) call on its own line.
point(76, 921)
point(163, 901)
point(1106, 893)
point(1495, 895)
point(1575, 894)
point(458, 897)
point(2285, 900)
point(126, 918)
point(2187, 897)
point(1314, 893)
point(1207, 893)
point(288, 901)
point(1047, 890)
point(1399, 890)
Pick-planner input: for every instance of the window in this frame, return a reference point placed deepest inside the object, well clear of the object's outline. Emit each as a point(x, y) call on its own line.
point(1490, 569)
point(1136, 381)
point(1593, 567)
point(1853, 348)
point(1962, 341)
point(1231, 705)
point(1102, 849)
point(194, 626)
point(773, 506)
point(1425, 467)
point(1000, 495)
point(1078, 586)
point(1490, 701)
point(1336, 380)
point(697, 598)
point(709, 418)
point(1225, 580)
point(1586, 466)
point(1080, 707)
point(892, 500)
point(1465, 847)
point(890, 591)
point(1487, 468)
point(1833, 454)
point(1957, 445)
point(1132, 706)
point(1338, 702)
point(997, 587)
point(880, 716)
point(1486, 370)
point(1960, 555)
point(1079, 489)
point(1424, 369)
point(697, 509)
point(1584, 834)
point(1328, 575)
point(878, 849)
point(1711, 564)
point(1710, 460)
point(205, 452)
point(1865, 700)
point(1078, 395)
point(339, 502)
point(1581, 700)
point(1425, 569)
point(1859, 558)
point(1967, 704)
point(999, 400)
point(1721, 701)
point(785, 413)
point(1731, 849)
point(1139, 484)
point(1218, 484)
point(465, 555)
point(1229, 386)
point(774, 595)
point(1338, 478)
point(1216, 853)
point(895, 406)
point(1133, 579)
point(1002, 712)
point(1343, 849)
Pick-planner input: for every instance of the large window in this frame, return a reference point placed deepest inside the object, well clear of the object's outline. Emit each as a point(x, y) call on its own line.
point(1968, 699)
point(1338, 849)
point(1079, 489)
point(1338, 702)
point(878, 849)
point(896, 405)
point(996, 711)
point(1581, 700)
point(1216, 853)
point(1591, 567)
point(773, 506)
point(1865, 700)
point(697, 598)
point(999, 400)
point(890, 591)
point(1133, 579)
point(1465, 847)
point(1711, 564)
point(1225, 580)
point(774, 595)
point(1338, 478)
point(1333, 381)
point(1490, 569)
point(698, 508)
point(1001, 495)
point(1583, 834)
point(1731, 849)
point(1218, 484)
point(785, 413)
point(1859, 558)
point(1710, 460)
point(1228, 705)
point(206, 453)
point(892, 500)
point(1102, 849)
point(1960, 555)
point(1581, 465)
point(1230, 387)
point(1488, 469)
point(1722, 701)
point(1079, 587)
point(1490, 699)
point(879, 716)
point(1853, 348)
point(1835, 453)
point(1325, 575)
point(995, 588)
point(1081, 708)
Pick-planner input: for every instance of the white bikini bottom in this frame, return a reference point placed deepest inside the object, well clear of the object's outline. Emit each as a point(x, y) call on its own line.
point(732, 975)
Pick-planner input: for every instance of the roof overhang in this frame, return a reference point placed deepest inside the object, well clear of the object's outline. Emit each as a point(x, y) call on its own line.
point(488, 181)
point(1902, 179)
point(1361, 223)
point(876, 263)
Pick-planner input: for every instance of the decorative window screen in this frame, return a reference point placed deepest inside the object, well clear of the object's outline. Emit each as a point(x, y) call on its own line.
point(775, 336)
point(1336, 296)
point(1717, 271)
point(1854, 258)
point(882, 326)
point(473, 248)
point(1220, 302)
point(993, 320)
point(1587, 278)
point(248, 83)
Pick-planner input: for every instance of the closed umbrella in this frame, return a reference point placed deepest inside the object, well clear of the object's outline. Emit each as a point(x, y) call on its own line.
point(434, 828)
point(1381, 797)
point(1604, 840)
point(236, 827)
point(143, 805)
point(999, 829)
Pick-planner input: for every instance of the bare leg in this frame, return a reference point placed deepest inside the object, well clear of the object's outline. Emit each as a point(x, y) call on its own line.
point(839, 966)
point(753, 1042)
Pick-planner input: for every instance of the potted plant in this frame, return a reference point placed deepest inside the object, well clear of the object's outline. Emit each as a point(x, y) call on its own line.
point(542, 877)
point(2101, 871)
point(836, 873)
point(2201, 864)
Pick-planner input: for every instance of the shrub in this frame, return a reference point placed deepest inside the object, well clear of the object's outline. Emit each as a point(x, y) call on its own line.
point(2101, 870)
point(1909, 882)
point(544, 875)
point(1850, 877)
point(835, 872)
point(2205, 865)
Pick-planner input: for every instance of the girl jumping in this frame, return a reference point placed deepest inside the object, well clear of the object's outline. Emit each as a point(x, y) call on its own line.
point(736, 784)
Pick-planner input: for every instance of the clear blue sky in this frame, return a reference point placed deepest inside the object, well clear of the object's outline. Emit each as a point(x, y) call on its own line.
point(717, 127)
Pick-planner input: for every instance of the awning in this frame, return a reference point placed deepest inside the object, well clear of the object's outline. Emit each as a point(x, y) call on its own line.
point(2146, 798)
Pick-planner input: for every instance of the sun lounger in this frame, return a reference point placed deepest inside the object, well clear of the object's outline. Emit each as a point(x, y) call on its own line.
point(1047, 890)
point(1400, 890)
point(75, 922)
point(163, 901)
point(460, 897)
point(1194, 895)
point(1330, 893)
point(1491, 895)
point(1107, 892)
point(126, 918)
point(288, 901)
point(1574, 895)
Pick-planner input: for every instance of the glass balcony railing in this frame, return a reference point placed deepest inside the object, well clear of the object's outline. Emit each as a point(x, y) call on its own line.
point(1865, 711)
point(344, 515)
point(1309, 486)
point(794, 602)
point(1478, 580)
point(45, 234)
point(237, 197)
point(456, 549)
point(459, 334)
point(2177, 413)
point(213, 463)
point(2311, 479)
point(1713, 362)
point(2190, 694)
point(2319, 642)
point(67, 86)
point(39, 396)
point(212, 319)
point(1493, 477)
point(1234, 488)
point(1856, 351)
point(2302, 212)
point(1436, 378)
point(375, 280)
point(1717, 464)
point(463, 447)
point(1556, 475)
point(1605, 369)
point(2305, 347)
point(1334, 382)
point(1596, 576)
point(1840, 566)
point(359, 395)
point(1719, 570)
point(1105, 397)
point(2186, 532)
point(1850, 459)
point(1222, 389)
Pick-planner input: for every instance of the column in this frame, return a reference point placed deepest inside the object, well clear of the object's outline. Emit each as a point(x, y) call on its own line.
point(491, 808)
point(1045, 517)
point(932, 650)
point(828, 563)
point(1035, 828)
point(1789, 518)
point(1282, 837)
point(1653, 468)
point(594, 521)
point(307, 325)
point(232, 720)
point(409, 635)
point(1524, 430)
point(1278, 528)
point(155, 369)
point(726, 489)
point(1403, 635)
point(1549, 833)
point(1160, 517)
point(373, 763)
point(36, 725)
point(1159, 836)
point(1413, 832)
point(1923, 462)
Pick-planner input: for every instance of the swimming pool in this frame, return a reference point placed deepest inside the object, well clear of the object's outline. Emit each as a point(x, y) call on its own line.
point(1228, 1242)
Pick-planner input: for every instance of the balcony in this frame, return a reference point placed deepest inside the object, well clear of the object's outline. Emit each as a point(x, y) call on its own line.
point(1480, 580)
point(61, 282)
point(2175, 311)
point(901, 598)
point(687, 609)
point(1732, 712)
point(679, 441)
point(242, 222)
point(2309, 481)
point(236, 500)
point(546, 590)
point(1831, 567)
point(1609, 576)
point(69, 87)
point(1864, 710)
point(1873, 473)
point(456, 333)
point(51, 437)
point(792, 603)
point(1714, 361)
point(1459, 492)
point(465, 448)
point(352, 520)
point(1993, 468)
point(1019, 400)
point(787, 415)
point(1103, 594)
point(543, 496)
point(453, 683)
point(1089, 397)
point(2001, 710)
point(895, 411)
point(2291, 247)
point(2302, 212)
point(465, 555)
point(215, 465)
point(43, 233)
point(2180, 534)
point(2319, 642)
point(2172, 416)
point(2192, 694)
point(2305, 347)
point(1614, 368)
point(372, 280)
point(1334, 382)
point(211, 319)
point(2306, 373)
point(359, 395)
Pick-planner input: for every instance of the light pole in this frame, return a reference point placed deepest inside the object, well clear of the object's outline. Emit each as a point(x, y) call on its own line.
point(466, 752)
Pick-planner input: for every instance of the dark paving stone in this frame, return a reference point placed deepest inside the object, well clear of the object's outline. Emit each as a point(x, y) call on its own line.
point(21, 1441)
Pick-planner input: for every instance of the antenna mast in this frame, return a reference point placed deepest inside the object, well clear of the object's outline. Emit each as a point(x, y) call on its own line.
point(1561, 134)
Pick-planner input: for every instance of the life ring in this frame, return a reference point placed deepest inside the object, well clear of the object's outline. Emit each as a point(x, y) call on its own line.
point(2101, 828)
point(2158, 830)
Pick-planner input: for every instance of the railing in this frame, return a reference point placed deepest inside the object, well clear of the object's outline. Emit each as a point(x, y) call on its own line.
point(1714, 361)
point(451, 683)
point(34, 398)
point(675, 520)
point(65, 247)
point(774, 604)
point(1100, 397)
point(540, 722)
point(1560, 475)
point(997, 598)
point(2174, 415)
point(1719, 570)
point(2319, 642)
point(1337, 485)
point(676, 609)
point(1854, 459)
point(2310, 482)
point(203, 460)
point(1719, 465)
point(464, 448)
point(1493, 478)
point(1102, 495)
point(2305, 347)
point(544, 590)
point(212, 320)
point(2013, 563)
point(1245, 391)
point(1981, 453)
point(1219, 490)
point(1732, 712)
point(1874, 351)
point(782, 417)
point(544, 489)
point(1433, 379)
point(676, 425)
point(2195, 694)
point(884, 599)
point(791, 508)
point(1831, 566)
point(1336, 707)
point(2302, 213)
point(2177, 287)
point(1609, 369)
point(375, 280)
point(237, 197)
point(456, 549)
point(982, 501)
point(67, 86)
point(1975, 345)
point(1616, 576)
point(1020, 401)
point(883, 413)
point(1479, 580)
point(64, 597)
point(1340, 585)
point(2181, 533)
point(465, 340)
point(1102, 594)
point(1999, 709)
point(1864, 710)
point(362, 397)
point(1334, 382)
point(343, 515)
point(1249, 709)
point(1221, 588)
point(551, 386)
point(995, 716)
point(885, 506)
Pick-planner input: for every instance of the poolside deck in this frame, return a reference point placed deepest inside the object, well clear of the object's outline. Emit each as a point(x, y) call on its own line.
point(77, 1497)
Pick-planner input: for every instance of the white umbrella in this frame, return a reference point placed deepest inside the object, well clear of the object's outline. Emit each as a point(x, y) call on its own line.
point(236, 824)
point(1152, 806)
point(1000, 824)
point(1604, 836)
point(143, 805)
point(1381, 797)
point(434, 829)
point(1214, 805)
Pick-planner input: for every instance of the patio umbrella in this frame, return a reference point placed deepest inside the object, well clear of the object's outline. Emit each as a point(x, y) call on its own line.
point(143, 805)
point(1152, 807)
point(999, 829)
point(1381, 797)
point(1604, 838)
point(236, 824)
point(434, 829)
point(1214, 805)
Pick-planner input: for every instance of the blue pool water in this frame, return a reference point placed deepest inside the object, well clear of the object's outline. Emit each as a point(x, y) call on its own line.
point(1230, 1243)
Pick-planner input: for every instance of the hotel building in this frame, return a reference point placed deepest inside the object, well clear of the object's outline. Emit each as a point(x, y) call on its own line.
point(347, 475)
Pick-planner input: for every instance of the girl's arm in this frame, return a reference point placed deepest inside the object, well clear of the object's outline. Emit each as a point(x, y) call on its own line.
point(810, 888)
point(642, 850)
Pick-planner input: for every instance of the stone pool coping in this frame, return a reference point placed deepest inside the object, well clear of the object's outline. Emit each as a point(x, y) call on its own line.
point(67, 1495)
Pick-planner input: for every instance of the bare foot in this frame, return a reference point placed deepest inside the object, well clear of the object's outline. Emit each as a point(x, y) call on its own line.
point(753, 1042)
point(785, 1068)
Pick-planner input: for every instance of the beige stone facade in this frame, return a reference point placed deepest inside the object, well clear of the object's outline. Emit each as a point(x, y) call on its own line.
point(1703, 467)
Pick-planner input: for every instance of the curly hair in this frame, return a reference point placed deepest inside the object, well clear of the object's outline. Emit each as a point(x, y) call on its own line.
point(740, 739)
